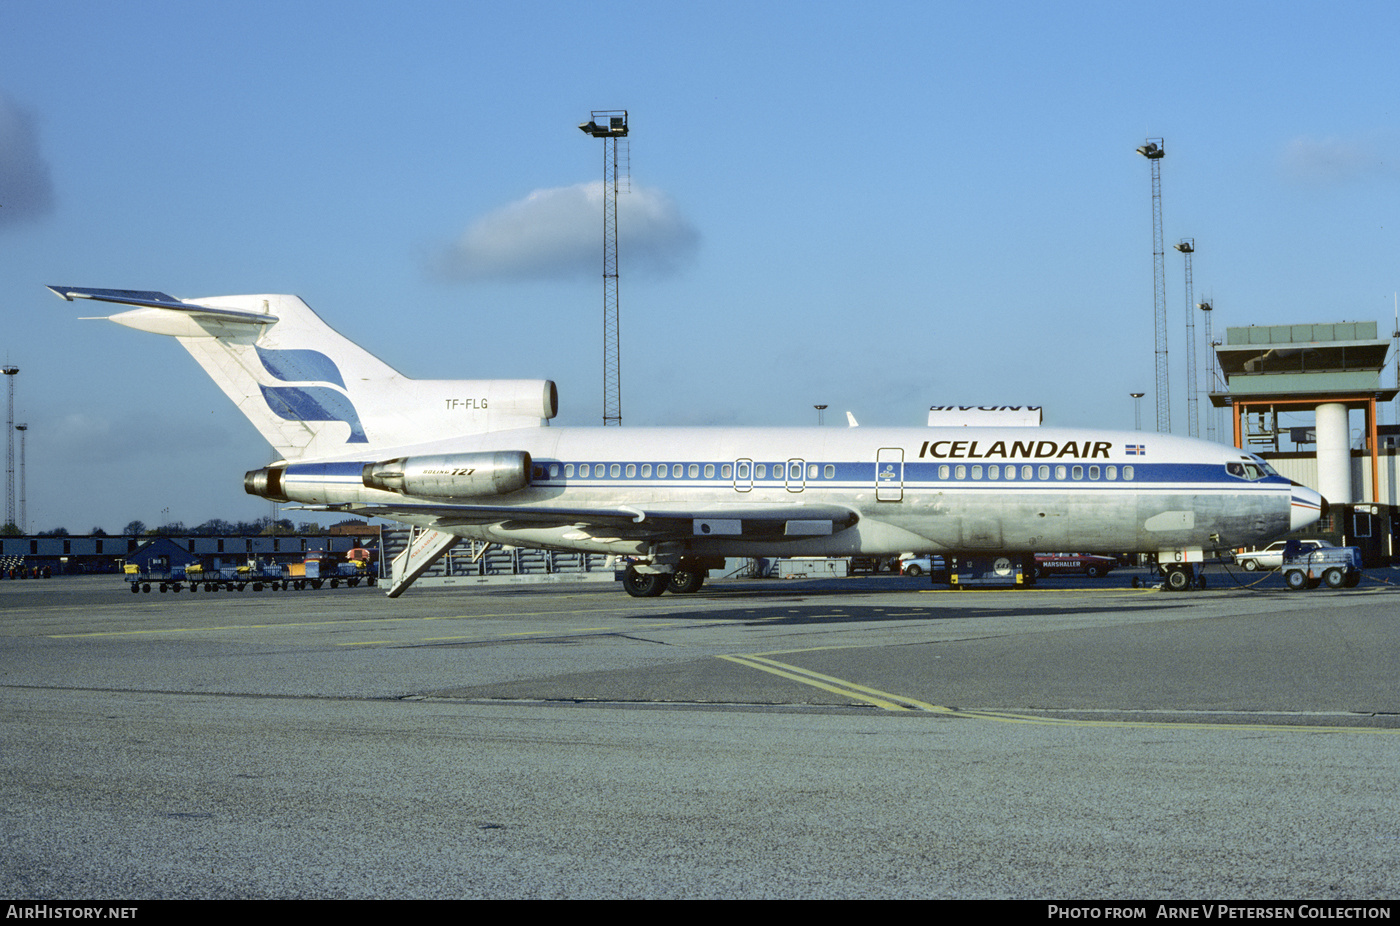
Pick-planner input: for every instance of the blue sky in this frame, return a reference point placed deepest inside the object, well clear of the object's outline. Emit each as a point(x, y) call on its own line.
point(876, 206)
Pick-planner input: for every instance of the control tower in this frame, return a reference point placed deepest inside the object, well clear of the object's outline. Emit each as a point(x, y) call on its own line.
point(1330, 370)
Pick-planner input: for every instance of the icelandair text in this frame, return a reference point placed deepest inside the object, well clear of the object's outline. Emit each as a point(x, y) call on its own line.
point(1015, 450)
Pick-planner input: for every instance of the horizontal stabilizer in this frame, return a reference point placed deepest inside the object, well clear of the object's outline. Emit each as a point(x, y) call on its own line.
point(155, 300)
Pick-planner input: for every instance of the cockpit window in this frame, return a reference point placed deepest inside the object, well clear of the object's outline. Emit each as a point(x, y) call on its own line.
point(1248, 470)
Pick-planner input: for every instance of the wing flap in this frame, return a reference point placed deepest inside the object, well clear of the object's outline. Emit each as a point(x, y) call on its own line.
point(749, 523)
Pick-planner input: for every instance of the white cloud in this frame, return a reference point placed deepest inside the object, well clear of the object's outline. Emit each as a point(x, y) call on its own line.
point(1334, 161)
point(558, 233)
point(25, 189)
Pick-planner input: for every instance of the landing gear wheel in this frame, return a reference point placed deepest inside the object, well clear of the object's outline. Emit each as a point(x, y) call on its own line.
point(685, 581)
point(1178, 579)
point(645, 584)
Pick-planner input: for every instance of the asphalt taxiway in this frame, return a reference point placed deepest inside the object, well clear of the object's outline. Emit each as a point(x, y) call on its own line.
point(858, 737)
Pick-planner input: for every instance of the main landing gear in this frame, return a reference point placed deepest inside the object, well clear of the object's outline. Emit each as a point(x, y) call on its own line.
point(650, 584)
point(1180, 577)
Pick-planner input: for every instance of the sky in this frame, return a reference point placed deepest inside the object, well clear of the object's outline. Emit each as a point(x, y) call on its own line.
point(877, 207)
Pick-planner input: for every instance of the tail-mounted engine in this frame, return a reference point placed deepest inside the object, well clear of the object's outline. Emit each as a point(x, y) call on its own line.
point(451, 475)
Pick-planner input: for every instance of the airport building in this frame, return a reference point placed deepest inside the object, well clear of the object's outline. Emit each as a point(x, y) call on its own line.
point(1333, 373)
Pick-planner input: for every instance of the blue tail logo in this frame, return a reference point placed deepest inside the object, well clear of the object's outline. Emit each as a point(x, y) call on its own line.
point(321, 402)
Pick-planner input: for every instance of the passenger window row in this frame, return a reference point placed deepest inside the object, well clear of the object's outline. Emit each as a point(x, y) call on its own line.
point(747, 470)
point(1027, 472)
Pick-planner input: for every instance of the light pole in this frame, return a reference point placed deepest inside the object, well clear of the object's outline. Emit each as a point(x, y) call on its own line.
point(821, 414)
point(1137, 409)
point(610, 125)
point(23, 503)
point(1154, 151)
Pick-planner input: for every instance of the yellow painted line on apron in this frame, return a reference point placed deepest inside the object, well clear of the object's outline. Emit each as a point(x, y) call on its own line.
point(894, 702)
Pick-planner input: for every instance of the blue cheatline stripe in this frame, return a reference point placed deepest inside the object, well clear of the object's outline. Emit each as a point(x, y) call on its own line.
point(325, 470)
point(1177, 477)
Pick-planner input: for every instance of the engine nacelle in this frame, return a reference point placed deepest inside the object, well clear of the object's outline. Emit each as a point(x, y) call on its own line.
point(452, 475)
point(265, 482)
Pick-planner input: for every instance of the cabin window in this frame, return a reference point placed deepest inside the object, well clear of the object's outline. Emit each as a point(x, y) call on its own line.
point(977, 471)
point(1093, 472)
point(1044, 472)
point(583, 469)
point(646, 470)
point(615, 470)
point(745, 468)
point(760, 471)
point(1060, 471)
point(960, 471)
point(694, 470)
point(943, 471)
point(1077, 472)
point(554, 471)
point(725, 471)
point(678, 470)
point(812, 469)
point(994, 472)
point(709, 471)
point(568, 470)
point(1110, 473)
point(1028, 472)
point(1010, 472)
point(1127, 472)
point(829, 471)
point(631, 470)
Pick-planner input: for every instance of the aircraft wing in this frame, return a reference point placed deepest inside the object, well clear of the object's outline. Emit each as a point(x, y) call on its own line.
point(753, 522)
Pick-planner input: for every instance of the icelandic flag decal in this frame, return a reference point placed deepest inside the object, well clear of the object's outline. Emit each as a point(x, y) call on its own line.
point(1135, 450)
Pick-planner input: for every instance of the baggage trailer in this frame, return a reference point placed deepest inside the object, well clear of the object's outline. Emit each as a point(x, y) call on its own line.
point(314, 573)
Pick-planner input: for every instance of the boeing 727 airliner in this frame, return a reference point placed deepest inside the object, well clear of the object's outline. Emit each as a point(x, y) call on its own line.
point(477, 459)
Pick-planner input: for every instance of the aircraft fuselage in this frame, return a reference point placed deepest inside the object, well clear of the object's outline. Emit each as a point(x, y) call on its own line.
point(908, 489)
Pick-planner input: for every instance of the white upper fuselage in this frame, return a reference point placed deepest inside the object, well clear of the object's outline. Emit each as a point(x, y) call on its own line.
point(913, 489)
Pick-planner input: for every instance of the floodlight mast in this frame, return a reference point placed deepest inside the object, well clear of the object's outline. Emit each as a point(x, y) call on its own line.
point(610, 125)
point(1187, 246)
point(10, 372)
point(1212, 379)
point(23, 522)
point(1154, 151)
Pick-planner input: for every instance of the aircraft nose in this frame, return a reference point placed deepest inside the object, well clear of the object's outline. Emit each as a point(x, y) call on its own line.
point(1307, 507)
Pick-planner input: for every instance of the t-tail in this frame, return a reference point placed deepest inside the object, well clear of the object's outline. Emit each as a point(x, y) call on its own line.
point(312, 392)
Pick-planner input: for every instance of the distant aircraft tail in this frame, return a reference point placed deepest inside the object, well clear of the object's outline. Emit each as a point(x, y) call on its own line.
point(312, 392)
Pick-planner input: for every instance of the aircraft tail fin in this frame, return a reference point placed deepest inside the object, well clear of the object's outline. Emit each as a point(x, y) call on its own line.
point(310, 391)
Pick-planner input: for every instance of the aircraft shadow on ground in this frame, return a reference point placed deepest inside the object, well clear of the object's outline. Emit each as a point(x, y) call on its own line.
point(808, 613)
